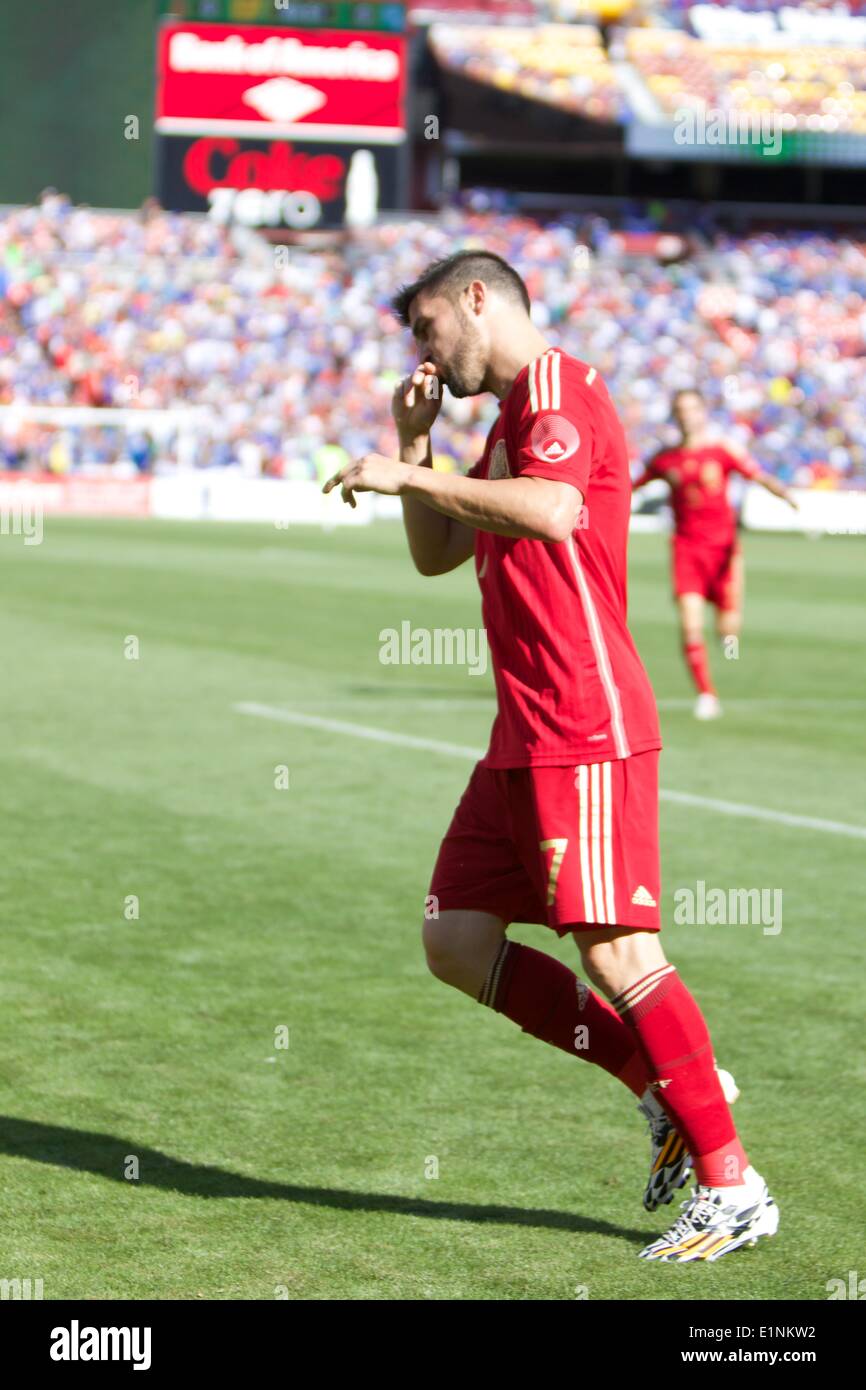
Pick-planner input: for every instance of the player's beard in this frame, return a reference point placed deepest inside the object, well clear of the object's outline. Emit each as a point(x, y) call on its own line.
point(464, 374)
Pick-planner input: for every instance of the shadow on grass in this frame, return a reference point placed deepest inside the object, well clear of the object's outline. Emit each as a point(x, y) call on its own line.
point(90, 1152)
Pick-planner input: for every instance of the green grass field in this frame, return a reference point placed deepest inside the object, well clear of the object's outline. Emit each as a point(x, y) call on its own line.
point(302, 1169)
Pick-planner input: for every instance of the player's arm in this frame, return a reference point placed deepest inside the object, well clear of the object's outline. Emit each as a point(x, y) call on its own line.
point(778, 489)
point(548, 435)
point(648, 474)
point(746, 465)
point(542, 499)
point(437, 543)
point(530, 508)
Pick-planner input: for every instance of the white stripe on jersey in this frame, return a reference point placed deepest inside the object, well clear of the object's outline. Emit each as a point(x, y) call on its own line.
point(608, 842)
point(595, 820)
point(583, 817)
point(595, 839)
point(544, 392)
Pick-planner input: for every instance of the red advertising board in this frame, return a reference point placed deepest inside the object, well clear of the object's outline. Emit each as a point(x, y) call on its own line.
point(75, 495)
point(245, 80)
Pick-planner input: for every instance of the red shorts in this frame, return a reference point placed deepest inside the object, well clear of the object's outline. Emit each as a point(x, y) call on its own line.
point(711, 570)
point(568, 847)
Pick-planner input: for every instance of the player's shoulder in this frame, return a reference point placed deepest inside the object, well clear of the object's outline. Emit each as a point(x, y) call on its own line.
point(666, 457)
point(726, 444)
point(556, 381)
point(730, 452)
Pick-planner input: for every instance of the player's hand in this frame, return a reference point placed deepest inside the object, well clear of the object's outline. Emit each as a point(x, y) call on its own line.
point(372, 473)
point(416, 402)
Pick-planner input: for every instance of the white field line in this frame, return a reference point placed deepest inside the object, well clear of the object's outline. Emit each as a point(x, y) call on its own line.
point(340, 726)
point(460, 750)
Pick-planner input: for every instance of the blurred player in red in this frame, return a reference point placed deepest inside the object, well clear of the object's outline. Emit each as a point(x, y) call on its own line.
point(707, 560)
point(559, 822)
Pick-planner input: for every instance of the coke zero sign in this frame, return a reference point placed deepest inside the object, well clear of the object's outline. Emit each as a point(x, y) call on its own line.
point(276, 183)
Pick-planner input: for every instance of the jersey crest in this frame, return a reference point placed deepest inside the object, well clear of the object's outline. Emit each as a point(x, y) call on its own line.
point(553, 439)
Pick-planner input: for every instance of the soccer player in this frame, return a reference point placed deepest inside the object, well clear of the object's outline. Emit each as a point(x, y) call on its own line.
point(559, 822)
point(707, 560)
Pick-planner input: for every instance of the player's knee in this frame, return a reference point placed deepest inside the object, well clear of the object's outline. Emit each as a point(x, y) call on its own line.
point(596, 961)
point(441, 949)
point(614, 964)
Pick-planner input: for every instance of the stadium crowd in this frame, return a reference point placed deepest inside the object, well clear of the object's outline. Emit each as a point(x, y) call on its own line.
point(293, 353)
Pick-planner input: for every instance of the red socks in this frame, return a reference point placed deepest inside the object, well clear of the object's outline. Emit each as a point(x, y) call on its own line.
point(675, 1043)
point(696, 659)
point(652, 1035)
point(548, 1000)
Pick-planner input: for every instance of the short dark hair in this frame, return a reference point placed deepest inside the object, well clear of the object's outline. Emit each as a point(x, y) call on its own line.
point(452, 275)
point(685, 391)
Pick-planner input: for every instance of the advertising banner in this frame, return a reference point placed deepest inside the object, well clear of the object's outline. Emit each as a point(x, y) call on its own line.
point(275, 183)
point(74, 495)
point(243, 80)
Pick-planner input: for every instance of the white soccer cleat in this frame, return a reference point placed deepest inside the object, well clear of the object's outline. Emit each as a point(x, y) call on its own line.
point(717, 1220)
point(670, 1160)
point(708, 706)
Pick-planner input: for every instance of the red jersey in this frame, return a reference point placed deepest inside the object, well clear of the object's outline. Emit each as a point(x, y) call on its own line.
point(570, 685)
point(698, 481)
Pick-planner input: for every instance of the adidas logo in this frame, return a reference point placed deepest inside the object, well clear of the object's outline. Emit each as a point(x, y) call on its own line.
point(553, 450)
point(642, 897)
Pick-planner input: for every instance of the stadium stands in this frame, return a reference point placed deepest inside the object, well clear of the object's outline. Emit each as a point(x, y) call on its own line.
point(565, 66)
point(804, 88)
point(160, 311)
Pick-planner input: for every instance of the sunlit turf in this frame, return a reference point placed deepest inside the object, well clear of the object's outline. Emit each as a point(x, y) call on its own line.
point(170, 906)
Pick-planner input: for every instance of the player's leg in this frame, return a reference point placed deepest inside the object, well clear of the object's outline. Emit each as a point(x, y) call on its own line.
point(630, 968)
point(732, 1206)
point(572, 838)
point(479, 885)
point(469, 950)
point(622, 954)
point(691, 614)
point(690, 582)
point(729, 603)
point(617, 934)
point(461, 946)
